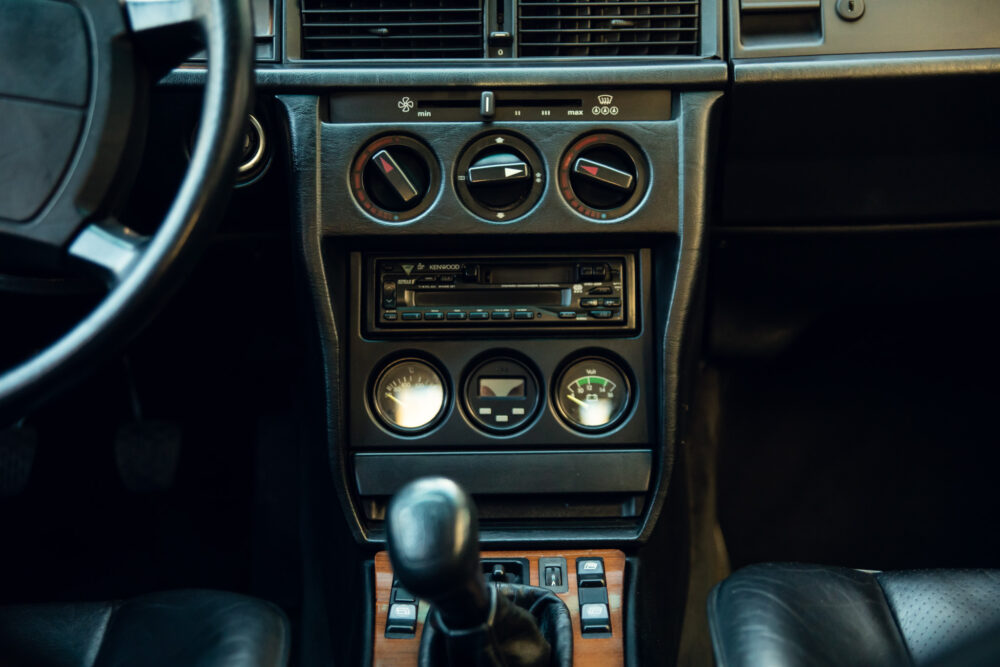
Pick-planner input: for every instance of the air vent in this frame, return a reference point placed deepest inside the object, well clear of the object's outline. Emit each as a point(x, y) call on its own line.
point(395, 29)
point(607, 28)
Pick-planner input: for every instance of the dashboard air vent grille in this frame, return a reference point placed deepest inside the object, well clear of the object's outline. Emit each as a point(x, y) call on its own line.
point(393, 29)
point(607, 28)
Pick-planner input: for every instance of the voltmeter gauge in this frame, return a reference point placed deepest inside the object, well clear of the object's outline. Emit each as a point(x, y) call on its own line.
point(592, 394)
point(409, 396)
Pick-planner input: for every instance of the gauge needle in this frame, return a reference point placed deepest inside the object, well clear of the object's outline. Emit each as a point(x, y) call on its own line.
point(577, 400)
point(395, 399)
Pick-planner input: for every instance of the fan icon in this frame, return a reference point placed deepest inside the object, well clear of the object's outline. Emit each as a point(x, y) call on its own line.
point(405, 104)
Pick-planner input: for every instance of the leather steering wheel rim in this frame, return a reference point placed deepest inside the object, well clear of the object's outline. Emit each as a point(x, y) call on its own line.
point(227, 31)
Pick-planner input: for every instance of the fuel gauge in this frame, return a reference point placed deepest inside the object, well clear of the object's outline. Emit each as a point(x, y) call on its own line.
point(592, 394)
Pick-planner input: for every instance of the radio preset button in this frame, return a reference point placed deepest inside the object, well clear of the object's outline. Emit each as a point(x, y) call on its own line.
point(524, 315)
point(479, 316)
point(589, 303)
point(411, 316)
point(389, 317)
point(457, 316)
point(567, 314)
point(613, 302)
point(501, 315)
point(388, 294)
point(601, 314)
point(433, 316)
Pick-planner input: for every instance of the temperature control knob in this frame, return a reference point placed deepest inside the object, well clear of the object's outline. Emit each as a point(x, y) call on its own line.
point(603, 176)
point(394, 178)
point(499, 177)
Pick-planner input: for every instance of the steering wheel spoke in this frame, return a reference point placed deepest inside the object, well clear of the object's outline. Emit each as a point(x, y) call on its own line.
point(110, 248)
point(165, 32)
point(63, 181)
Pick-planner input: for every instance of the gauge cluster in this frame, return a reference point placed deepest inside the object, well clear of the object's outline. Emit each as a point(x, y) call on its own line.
point(501, 394)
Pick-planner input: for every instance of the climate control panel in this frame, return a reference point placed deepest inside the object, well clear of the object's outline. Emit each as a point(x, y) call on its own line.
point(499, 176)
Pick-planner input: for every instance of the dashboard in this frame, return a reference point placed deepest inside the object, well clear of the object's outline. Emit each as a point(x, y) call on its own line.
point(503, 209)
point(638, 275)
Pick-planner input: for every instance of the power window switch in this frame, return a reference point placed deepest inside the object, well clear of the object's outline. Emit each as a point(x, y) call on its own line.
point(553, 576)
point(590, 572)
point(595, 619)
point(400, 594)
point(402, 619)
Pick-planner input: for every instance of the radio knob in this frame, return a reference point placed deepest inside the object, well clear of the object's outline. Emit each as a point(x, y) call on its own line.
point(500, 177)
point(394, 178)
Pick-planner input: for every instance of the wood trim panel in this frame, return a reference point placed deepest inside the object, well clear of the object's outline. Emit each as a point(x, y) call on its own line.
point(589, 652)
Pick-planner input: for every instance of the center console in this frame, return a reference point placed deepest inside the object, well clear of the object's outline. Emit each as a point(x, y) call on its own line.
point(495, 274)
point(502, 281)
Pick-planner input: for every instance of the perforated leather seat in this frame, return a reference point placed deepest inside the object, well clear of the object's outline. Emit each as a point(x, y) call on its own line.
point(786, 614)
point(190, 628)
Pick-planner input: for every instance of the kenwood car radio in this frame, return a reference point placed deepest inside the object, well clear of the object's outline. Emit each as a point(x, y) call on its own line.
point(550, 291)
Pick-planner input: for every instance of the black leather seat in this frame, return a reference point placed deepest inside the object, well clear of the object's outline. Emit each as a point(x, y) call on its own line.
point(785, 614)
point(189, 628)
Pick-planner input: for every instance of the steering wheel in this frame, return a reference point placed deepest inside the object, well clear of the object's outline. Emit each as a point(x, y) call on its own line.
point(72, 90)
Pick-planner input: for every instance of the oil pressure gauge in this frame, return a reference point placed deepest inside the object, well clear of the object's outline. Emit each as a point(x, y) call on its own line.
point(409, 396)
point(592, 394)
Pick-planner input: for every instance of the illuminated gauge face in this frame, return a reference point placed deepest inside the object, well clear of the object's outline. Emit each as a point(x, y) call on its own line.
point(409, 396)
point(501, 395)
point(592, 394)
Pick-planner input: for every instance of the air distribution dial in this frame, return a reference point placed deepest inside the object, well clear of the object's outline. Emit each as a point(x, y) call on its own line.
point(394, 178)
point(499, 177)
point(603, 176)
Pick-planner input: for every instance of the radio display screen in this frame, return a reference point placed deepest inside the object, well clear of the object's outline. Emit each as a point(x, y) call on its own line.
point(506, 387)
point(489, 297)
point(531, 273)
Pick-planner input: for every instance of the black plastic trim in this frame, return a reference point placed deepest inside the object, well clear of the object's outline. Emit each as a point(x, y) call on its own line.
point(867, 66)
point(696, 73)
point(509, 472)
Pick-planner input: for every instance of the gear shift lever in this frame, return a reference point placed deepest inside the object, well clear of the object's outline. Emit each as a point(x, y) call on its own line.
point(433, 533)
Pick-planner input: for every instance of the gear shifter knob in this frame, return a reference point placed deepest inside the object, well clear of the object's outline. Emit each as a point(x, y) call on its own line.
point(433, 534)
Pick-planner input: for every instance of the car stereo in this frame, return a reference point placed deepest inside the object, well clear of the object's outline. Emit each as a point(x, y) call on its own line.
point(502, 292)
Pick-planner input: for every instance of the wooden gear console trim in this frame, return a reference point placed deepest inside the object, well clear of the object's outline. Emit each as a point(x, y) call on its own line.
point(587, 652)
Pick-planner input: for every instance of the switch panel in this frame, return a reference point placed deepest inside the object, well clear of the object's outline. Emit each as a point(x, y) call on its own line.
point(590, 572)
point(592, 593)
